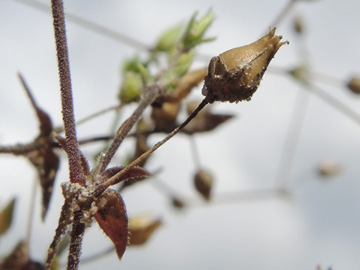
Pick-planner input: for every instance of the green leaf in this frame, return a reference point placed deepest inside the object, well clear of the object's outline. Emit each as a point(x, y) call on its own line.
point(6, 216)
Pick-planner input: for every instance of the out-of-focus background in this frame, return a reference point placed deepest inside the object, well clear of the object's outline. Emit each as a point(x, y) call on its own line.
point(279, 139)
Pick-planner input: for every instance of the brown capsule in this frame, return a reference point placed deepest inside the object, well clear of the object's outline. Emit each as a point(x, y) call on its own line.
point(298, 24)
point(203, 182)
point(329, 168)
point(354, 85)
point(235, 75)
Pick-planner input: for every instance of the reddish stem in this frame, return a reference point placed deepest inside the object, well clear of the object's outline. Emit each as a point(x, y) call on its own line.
point(76, 175)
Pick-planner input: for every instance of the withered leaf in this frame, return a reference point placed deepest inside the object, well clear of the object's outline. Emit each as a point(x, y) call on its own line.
point(141, 228)
point(43, 118)
point(46, 163)
point(6, 216)
point(19, 259)
point(112, 219)
point(43, 158)
point(165, 116)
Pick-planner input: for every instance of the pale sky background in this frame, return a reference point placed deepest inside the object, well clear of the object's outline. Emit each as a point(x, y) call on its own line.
point(318, 224)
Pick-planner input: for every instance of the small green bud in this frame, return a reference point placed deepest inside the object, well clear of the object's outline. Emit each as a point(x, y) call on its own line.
point(169, 39)
point(196, 29)
point(146, 74)
point(131, 65)
point(173, 75)
point(131, 87)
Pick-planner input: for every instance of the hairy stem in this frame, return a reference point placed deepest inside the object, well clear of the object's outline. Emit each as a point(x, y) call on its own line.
point(66, 92)
point(64, 221)
point(77, 233)
point(152, 93)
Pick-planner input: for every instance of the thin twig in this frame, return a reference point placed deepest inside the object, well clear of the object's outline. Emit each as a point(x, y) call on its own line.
point(32, 205)
point(195, 152)
point(20, 149)
point(92, 116)
point(283, 13)
point(99, 29)
point(334, 102)
point(292, 139)
point(98, 255)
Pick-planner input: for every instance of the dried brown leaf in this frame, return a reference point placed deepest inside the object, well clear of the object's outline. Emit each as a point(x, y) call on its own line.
point(165, 116)
point(46, 163)
point(112, 218)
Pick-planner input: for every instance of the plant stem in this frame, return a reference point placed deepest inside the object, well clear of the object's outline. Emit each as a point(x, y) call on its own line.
point(145, 155)
point(153, 91)
point(75, 171)
point(77, 233)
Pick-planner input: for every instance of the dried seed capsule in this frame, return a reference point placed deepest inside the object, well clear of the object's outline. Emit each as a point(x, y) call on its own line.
point(298, 24)
point(236, 74)
point(329, 168)
point(354, 85)
point(203, 182)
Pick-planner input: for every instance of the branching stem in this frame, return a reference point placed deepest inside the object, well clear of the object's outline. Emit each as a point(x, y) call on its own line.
point(153, 91)
point(145, 155)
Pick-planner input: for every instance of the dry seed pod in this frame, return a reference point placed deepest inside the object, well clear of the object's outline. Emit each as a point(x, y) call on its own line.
point(329, 168)
point(354, 85)
point(203, 182)
point(235, 75)
point(141, 228)
point(298, 24)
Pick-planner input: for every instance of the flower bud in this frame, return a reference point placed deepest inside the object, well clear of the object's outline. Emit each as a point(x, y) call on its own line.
point(235, 75)
point(169, 39)
point(131, 87)
point(196, 29)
